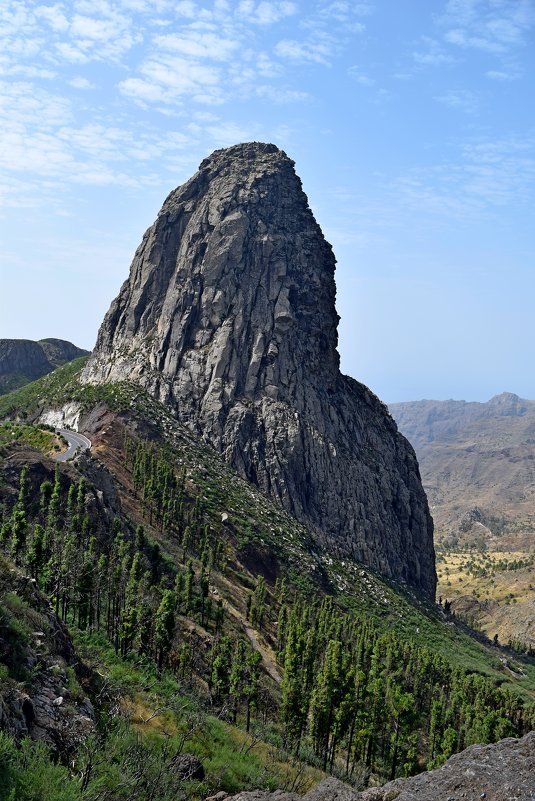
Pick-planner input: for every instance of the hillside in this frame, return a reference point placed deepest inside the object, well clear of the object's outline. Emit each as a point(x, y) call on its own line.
point(23, 360)
point(499, 772)
point(478, 465)
point(253, 572)
point(478, 468)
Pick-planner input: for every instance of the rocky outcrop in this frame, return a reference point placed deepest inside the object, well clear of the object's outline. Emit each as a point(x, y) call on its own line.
point(501, 772)
point(40, 696)
point(187, 767)
point(23, 360)
point(228, 316)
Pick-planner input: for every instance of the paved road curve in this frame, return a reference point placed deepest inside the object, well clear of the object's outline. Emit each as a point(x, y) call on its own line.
point(77, 442)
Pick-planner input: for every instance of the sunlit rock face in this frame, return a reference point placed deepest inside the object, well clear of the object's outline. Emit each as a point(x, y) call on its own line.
point(228, 316)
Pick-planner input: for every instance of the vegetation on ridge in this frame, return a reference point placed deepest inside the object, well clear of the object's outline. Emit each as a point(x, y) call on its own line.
point(354, 699)
point(203, 595)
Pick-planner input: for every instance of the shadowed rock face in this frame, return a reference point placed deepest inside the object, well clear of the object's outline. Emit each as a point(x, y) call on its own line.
point(228, 316)
point(23, 360)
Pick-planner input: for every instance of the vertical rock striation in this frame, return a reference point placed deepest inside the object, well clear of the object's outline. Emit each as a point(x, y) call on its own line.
point(228, 316)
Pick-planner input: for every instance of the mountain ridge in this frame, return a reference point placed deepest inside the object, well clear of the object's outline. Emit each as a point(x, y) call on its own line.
point(24, 360)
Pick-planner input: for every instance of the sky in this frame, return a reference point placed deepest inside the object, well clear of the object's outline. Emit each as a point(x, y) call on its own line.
point(411, 122)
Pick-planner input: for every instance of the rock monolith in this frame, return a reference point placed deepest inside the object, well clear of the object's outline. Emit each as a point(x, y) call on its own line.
point(228, 317)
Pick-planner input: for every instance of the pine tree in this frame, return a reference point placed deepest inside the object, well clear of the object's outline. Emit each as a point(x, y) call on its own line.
point(19, 529)
point(189, 585)
point(84, 592)
point(238, 675)
point(251, 687)
point(220, 675)
point(164, 626)
point(203, 588)
point(140, 538)
point(36, 551)
point(256, 615)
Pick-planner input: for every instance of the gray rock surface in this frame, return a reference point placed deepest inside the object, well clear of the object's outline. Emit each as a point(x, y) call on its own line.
point(38, 698)
point(228, 316)
point(188, 767)
point(501, 772)
point(23, 360)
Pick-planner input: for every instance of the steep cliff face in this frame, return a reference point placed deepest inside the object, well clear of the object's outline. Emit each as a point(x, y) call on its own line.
point(228, 316)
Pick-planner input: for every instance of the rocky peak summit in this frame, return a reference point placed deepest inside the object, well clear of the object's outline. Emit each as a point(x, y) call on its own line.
point(228, 316)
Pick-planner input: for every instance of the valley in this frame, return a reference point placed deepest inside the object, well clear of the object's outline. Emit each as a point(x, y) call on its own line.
point(477, 462)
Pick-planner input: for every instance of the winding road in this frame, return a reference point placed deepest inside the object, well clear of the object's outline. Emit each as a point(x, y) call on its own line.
point(77, 442)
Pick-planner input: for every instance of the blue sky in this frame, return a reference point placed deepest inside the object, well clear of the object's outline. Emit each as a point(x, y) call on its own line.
point(412, 125)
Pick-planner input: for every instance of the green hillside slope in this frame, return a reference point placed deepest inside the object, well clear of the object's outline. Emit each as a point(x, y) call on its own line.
point(192, 593)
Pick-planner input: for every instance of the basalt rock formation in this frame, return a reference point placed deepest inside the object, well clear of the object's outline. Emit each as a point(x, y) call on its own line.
point(23, 360)
point(228, 316)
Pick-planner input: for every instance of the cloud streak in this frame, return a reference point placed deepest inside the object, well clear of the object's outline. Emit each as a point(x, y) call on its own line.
point(486, 176)
point(492, 26)
point(41, 143)
point(163, 56)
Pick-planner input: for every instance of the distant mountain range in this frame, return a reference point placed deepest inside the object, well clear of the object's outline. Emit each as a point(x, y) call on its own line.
point(478, 465)
point(23, 360)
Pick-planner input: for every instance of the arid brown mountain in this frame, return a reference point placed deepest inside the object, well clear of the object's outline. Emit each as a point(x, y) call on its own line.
point(23, 360)
point(478, 465)
point(228, 316)
point(478, 468)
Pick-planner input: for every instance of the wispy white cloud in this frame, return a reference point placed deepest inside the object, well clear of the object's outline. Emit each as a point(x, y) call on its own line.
point(485, 176)
point(204, 45)
point(54, 16)
point(375, 94)
point(212, 57)
point(267, 67)
point(360, 77)
point(27, 71)
point(493, 26)
point(345, 13)
point(81, 83)
point(330, 26)
point(200, 52)
point(318, 50)
point(462, 99)
point(76, 32)
point(432, 53)
point(503, 74)
point(41, 140)
point(228, 133)
point(264, 13)
point(282, 94)
point(245, 11)
point(167, 78)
